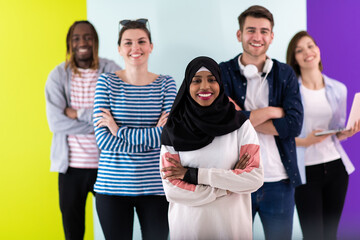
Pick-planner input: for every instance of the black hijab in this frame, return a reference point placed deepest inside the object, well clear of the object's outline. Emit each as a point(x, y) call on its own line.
point(191, 126)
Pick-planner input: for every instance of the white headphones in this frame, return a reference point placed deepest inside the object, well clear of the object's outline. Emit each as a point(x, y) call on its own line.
point(251, 71)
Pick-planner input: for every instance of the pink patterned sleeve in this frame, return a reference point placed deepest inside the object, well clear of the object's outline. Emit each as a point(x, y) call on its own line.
point(178, 191)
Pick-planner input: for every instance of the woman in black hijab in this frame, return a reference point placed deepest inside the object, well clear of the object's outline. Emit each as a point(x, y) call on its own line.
point(210, 160)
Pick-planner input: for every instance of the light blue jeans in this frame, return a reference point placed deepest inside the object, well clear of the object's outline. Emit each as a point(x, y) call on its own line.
point(274, 202)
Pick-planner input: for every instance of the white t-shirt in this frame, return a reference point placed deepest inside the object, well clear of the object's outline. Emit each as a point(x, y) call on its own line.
point(317, 116)
point(207, 210)
point(257, 96)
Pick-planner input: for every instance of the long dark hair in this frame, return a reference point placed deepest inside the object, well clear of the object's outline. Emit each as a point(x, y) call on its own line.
point(290, 54)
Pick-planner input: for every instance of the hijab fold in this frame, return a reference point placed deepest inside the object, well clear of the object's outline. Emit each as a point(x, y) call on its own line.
point(191, 126)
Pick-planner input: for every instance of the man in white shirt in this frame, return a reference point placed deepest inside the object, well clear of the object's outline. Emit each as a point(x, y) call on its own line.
point(268, 93)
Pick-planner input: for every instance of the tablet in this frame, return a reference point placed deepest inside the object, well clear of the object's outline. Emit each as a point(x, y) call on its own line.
point(354, 112)
point(325, 132)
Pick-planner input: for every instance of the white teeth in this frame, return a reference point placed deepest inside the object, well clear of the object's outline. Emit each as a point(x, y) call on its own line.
point(309, 58)
point(205, 95)
point(82, 50)
point(256, 44)
point(136, 55)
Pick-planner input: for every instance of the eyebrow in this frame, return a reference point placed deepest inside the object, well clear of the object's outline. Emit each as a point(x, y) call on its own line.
point(254, 28)
point(128, 39)
point(307, 43)
point(210, 75)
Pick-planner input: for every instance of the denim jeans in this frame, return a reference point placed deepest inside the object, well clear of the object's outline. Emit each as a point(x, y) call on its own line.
point(274, 202)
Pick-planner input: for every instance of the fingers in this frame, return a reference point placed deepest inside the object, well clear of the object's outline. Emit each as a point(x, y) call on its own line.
point(171, 168)
point(243, 162)
point(317, 139)
point(245, 156)
point(177, 171)
point(173, 161)
point(163, 119)
point(356, 127)
point(353, 130)
point(103, 115)
point(172, 173)
point(241, 165)
point(237, 108)
point(164, 114)
point(162, 122)
point(100, 115)
point(172, 176)
point(107, 111)
point(101, 123)
point(106, 119)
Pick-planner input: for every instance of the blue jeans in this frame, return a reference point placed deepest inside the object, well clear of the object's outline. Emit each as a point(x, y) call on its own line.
point(274, 202)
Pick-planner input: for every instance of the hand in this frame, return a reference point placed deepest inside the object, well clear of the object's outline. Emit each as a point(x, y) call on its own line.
point(312, 139)
point(173, 172)
point(350, 132)
point(70, 113)
point(107, 120)
point(237, 107)
point(163, 119)
point(242, 163)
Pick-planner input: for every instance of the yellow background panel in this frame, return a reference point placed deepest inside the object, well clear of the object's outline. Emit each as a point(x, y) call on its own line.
point(32, 43)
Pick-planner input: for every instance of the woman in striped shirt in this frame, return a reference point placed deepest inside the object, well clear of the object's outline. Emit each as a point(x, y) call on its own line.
point(131, 107)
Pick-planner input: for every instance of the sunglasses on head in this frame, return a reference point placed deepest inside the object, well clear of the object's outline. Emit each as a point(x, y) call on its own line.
point(127, 21)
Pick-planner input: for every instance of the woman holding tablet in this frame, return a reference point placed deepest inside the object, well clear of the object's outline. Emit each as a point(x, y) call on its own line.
point(320, 201)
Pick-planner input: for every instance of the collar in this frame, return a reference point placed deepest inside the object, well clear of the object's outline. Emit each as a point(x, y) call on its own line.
point(241, 66)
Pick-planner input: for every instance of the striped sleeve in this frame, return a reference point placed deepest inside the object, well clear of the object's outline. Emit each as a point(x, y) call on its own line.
point(170, 93)
point(129, 139)
point(239, 180)
point(104, 138)
point(181, 192)
point(150, 137)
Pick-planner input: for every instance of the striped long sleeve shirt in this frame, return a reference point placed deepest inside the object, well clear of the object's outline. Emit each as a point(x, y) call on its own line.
point(129, 162)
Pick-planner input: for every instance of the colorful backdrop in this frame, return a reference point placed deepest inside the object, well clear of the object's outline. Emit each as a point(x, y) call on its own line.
point(334, 25)
point(32, 43)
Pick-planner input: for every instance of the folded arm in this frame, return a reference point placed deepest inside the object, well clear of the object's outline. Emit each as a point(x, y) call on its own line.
point(56, 105)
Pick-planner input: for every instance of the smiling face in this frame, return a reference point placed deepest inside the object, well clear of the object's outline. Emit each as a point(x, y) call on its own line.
point(135, 47)
point(307, 54)
point(82, 44)
point(204, 88)
point(256, 37)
